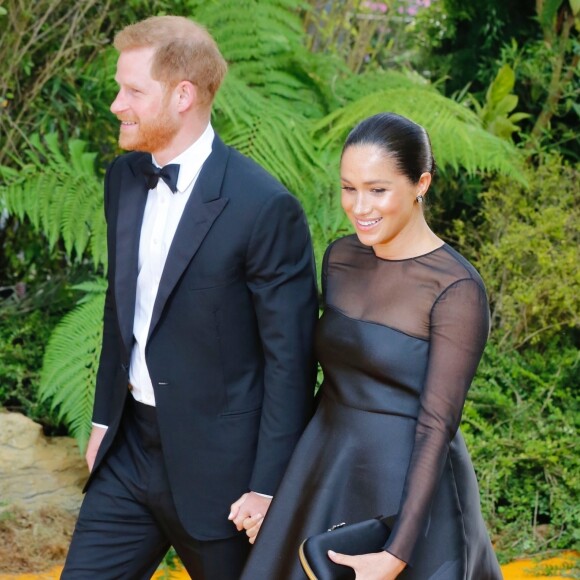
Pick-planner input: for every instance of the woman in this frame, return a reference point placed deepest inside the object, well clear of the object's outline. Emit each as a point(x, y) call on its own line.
point(405, 323)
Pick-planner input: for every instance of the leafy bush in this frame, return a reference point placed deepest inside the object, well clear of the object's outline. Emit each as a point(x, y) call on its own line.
point(521, 426)
point(23, 337)
point(526, 245)
point(521, 418)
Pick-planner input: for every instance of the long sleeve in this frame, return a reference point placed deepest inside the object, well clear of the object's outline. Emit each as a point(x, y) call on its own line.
point(459, 327)
point(110, 361)
point(281, 277)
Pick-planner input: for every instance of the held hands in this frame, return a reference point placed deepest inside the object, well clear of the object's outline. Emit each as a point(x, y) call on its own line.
point(379, 566)
point(248, 513)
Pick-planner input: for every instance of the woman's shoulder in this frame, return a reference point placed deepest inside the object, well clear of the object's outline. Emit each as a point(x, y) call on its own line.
point(346, 248)
point(344, 259)
point(459, 268)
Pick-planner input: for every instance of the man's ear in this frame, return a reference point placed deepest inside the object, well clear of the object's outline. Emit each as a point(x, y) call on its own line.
point(186, 94)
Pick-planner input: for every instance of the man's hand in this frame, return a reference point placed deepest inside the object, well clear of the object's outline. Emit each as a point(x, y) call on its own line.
point(379, 566)
point(97, 434)
point(248, 513)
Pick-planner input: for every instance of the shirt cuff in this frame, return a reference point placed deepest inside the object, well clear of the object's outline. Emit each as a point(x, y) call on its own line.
point(264, 494)
point(100, 425)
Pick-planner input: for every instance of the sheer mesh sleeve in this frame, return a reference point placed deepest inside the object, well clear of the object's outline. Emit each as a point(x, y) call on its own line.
point(324, 273)
point(459, 327)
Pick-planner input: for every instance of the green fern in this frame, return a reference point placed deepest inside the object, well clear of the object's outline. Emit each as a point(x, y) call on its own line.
point(269, 132)
point(61, 195)
point(71, 360)
point(270, 28)
point(269, 97)
point(458, 139)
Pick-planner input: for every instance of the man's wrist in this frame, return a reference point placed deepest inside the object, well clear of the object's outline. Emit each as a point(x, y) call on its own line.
point(263, 494)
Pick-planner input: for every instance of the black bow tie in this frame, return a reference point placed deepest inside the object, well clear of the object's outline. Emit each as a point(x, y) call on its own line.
point(152, 173)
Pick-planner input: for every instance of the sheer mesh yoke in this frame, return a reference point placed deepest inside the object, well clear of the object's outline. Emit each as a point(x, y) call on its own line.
point(399, 343)
point(396, 293)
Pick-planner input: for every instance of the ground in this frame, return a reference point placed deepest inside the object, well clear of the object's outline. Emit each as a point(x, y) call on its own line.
point(33, 540)
point(33, 546)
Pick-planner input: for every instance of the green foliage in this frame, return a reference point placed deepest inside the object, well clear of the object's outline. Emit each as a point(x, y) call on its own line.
point(456, 134)
point(526, 245)
point(470, 36)
point(71, 361)
point(170, 564)
point(50, 81)
point(568, 568)
point(549, 11)
point(521, 426)
point(60, 195)
point(22, 339)
point(496, 113)
point(39, 41)
point(547, 85)
point(267, 131)
point(269, 96)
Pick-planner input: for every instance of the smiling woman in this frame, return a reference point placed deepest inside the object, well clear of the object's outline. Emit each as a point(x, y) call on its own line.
point(405, 323)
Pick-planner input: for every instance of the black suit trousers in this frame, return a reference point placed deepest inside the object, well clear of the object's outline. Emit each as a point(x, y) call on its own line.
point(128, 519)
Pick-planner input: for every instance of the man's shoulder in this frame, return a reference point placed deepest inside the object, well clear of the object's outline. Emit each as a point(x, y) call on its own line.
point(243, 170)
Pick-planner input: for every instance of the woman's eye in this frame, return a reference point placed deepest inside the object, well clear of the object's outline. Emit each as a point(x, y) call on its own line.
point(378, 190)
point(347, 188)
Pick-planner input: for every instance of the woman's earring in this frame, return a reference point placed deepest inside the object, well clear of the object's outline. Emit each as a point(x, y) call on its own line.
point(419, 199)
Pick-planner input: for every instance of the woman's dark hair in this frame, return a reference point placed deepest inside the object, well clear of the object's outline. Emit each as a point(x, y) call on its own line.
point(402, 140)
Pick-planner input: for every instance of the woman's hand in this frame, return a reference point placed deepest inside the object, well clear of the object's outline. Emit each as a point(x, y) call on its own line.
point(379, 566)
point(248, 512)
point(252, 526)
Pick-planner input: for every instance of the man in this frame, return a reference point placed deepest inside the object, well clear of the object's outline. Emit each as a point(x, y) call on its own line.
point(206, 373)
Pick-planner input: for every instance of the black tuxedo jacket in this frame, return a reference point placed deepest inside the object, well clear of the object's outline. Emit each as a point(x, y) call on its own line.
point(229, 349)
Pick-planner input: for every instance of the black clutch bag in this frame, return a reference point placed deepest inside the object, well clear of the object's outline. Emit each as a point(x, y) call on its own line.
point(354, 539)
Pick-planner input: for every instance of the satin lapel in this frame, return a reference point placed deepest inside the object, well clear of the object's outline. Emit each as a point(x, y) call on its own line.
point(203, 207)
point(132, 199)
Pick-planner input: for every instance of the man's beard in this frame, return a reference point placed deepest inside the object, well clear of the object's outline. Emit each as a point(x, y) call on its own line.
point(151, 136)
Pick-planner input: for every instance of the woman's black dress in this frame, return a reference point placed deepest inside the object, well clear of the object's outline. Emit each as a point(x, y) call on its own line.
point(399, 343)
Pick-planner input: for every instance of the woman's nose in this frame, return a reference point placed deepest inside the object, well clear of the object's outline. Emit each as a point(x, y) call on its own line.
point(361, 205)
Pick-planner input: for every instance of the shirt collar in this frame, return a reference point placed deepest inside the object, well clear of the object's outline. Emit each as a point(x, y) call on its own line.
point(192, 159)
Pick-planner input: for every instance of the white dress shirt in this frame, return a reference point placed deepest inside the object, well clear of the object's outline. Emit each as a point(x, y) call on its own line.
point(163, 213)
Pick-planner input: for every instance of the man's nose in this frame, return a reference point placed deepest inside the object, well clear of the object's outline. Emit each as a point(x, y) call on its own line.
point(118, 104)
